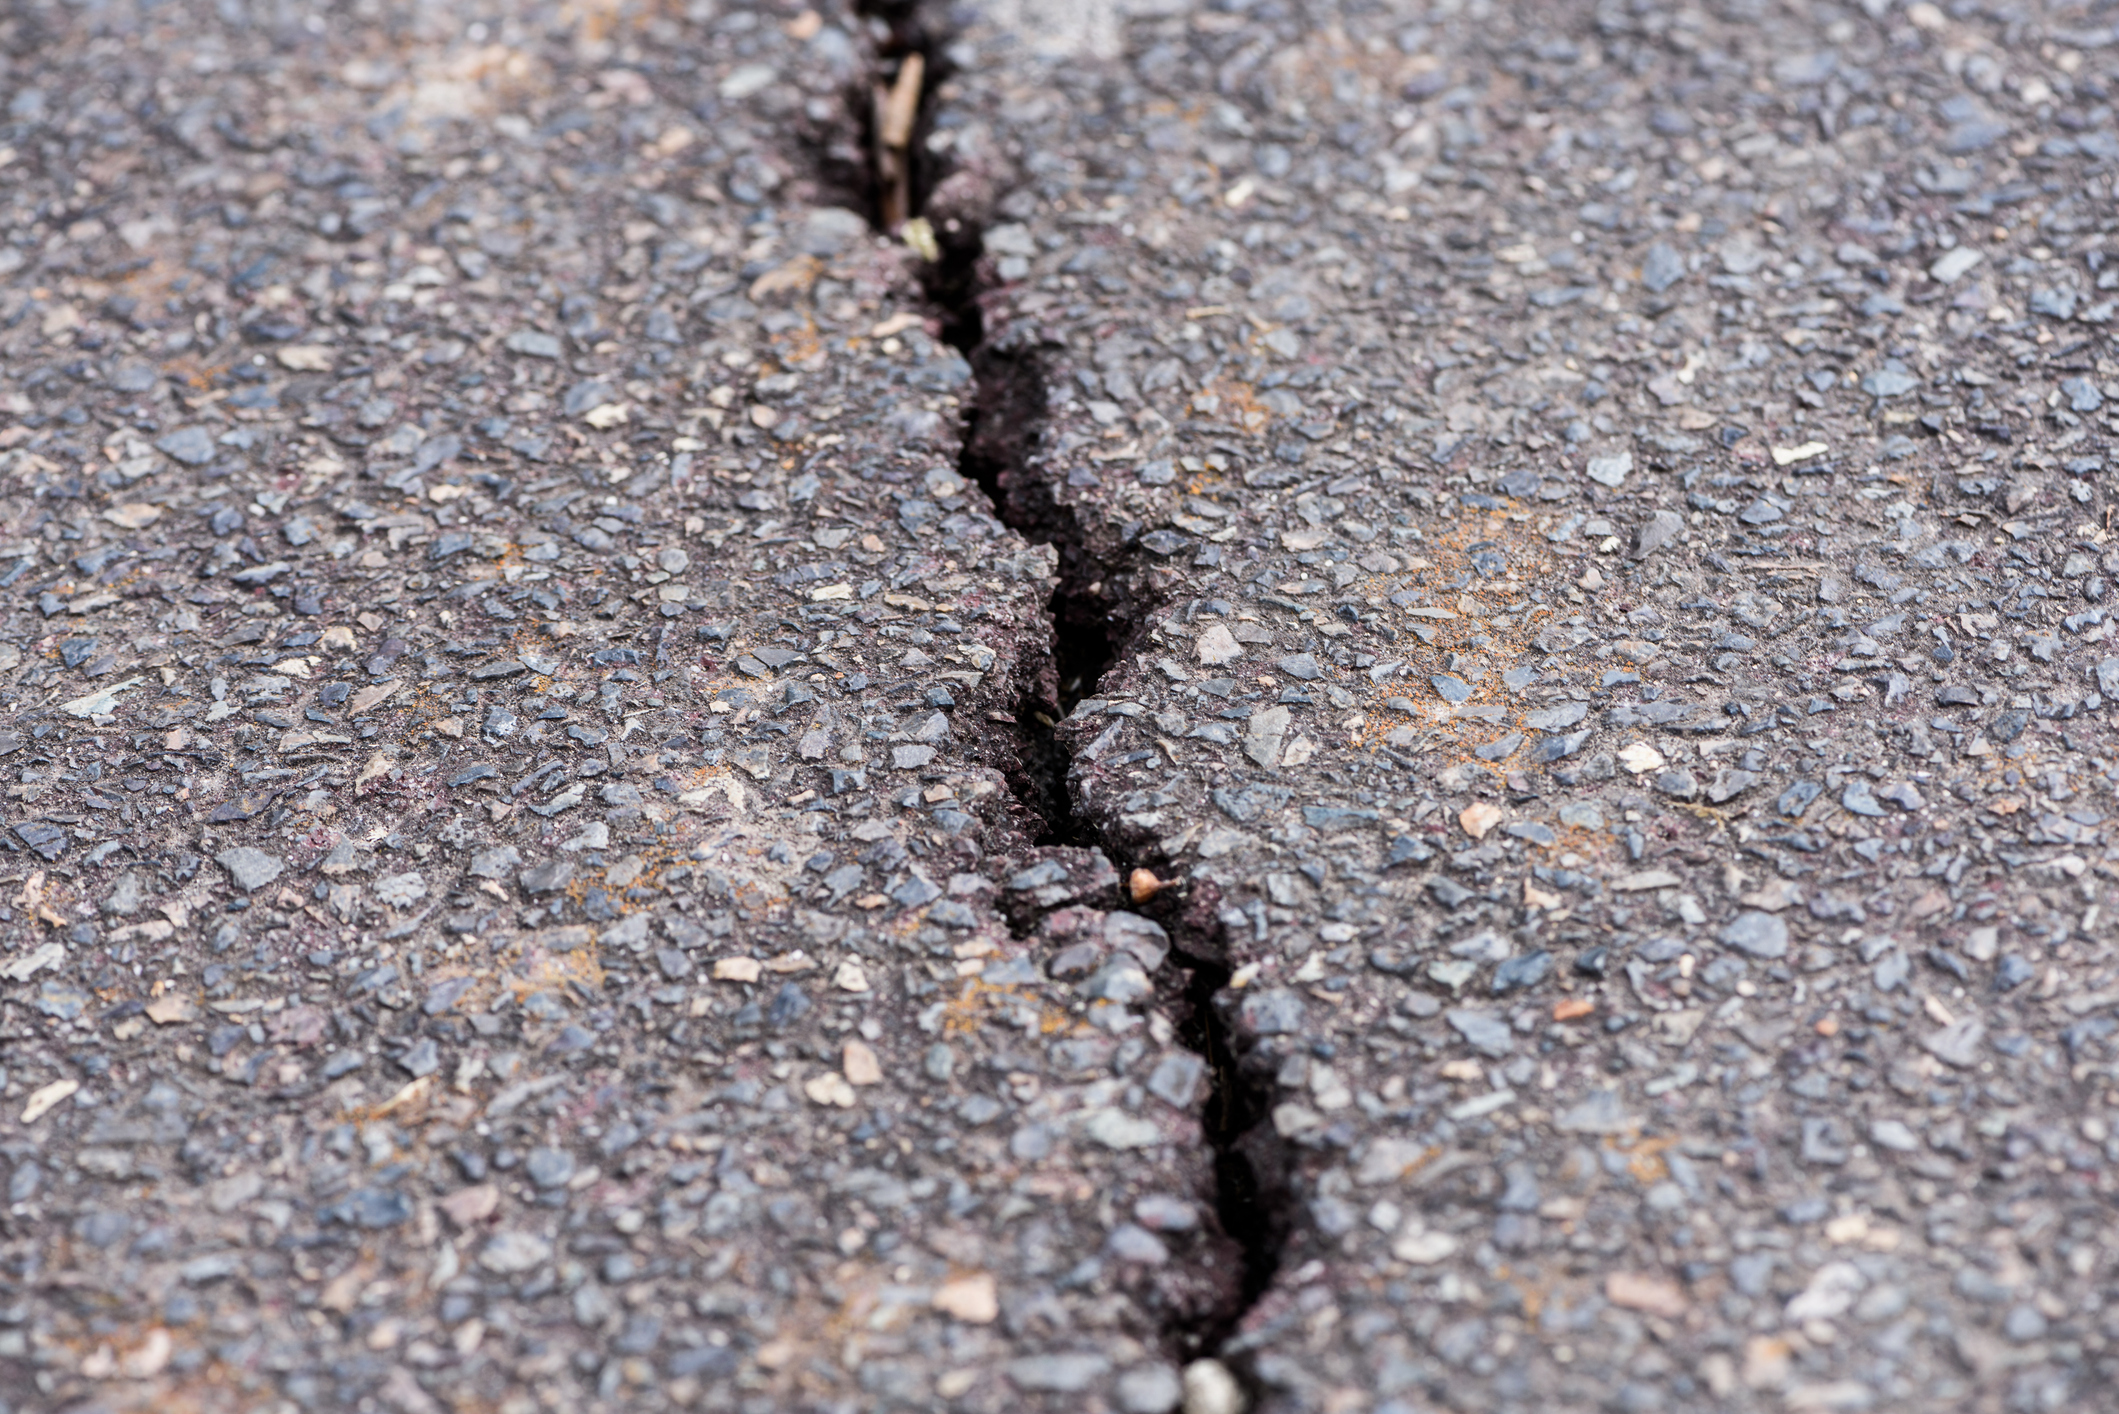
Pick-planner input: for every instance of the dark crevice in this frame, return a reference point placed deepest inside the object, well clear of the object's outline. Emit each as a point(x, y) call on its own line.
point(1000, 430)
point(1251, 1197)
point(1001, 421)
point(1094, 619)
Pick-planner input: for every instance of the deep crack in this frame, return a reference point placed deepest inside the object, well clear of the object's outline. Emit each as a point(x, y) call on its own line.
point(1094, 617)
point(1251, 1198)
point(1000, 429)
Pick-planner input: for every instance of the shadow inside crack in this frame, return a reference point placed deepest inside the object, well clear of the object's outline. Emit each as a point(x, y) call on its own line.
point(1252, 1199)
point(1093, 620)
point(1001, 427)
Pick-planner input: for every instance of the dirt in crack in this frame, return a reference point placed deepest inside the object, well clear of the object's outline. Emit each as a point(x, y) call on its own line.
point(1093, 621)
point(1251, 1197)
point(1089, 625)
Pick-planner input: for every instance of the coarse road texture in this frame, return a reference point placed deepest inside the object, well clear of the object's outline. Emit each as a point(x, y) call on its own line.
point(1408, 712)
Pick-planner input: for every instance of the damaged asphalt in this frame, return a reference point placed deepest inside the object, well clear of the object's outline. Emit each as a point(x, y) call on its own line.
point(1132, 707)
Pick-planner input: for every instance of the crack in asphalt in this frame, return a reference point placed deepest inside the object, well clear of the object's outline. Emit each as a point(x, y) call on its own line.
point(1252, 1198)
point(1094, 616)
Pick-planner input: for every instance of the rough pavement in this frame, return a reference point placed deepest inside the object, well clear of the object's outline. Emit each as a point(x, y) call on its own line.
point(1570, 547)
point(510, 713)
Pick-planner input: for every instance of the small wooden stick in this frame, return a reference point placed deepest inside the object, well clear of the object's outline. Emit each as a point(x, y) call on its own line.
point(897, 110)
point(903, 106)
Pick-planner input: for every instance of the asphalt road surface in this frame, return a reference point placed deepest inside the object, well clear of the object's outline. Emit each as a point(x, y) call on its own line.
point(1093, 707)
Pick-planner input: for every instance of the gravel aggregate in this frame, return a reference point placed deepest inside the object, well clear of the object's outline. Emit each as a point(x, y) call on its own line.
point(1606, 510)
point(1408, 711)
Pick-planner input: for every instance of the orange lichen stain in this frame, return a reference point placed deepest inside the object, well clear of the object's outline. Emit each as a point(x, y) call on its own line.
point(407, 1106)
point(759, 901)
point(961, 1017)
point(1645, 1156)
point(1234, 402)
point(1535, 1289)
point(863, 1308)
point(964, 1012)
point(653, 861)
point(154, 280)
point(800, 344)
point(1717, 818)
point(535, 968)
point(1489, 621)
